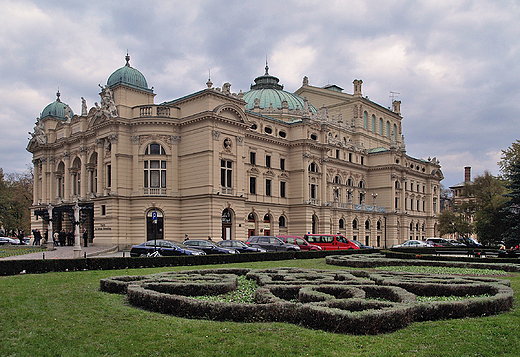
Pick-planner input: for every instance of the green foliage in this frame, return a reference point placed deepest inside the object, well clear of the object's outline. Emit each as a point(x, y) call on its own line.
point(451, 222)
point(511, 210)
point(509, 157)
point(16, 196)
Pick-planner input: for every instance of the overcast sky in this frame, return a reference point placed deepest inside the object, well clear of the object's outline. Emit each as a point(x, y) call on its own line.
point(455, 64)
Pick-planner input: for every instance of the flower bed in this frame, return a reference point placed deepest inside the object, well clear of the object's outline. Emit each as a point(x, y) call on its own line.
point(354, 302)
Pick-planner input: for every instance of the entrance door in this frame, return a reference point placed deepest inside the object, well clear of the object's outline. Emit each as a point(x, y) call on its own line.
point(154, 225)
point(226, 224)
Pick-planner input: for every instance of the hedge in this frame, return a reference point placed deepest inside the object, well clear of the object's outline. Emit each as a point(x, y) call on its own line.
point(353, 302)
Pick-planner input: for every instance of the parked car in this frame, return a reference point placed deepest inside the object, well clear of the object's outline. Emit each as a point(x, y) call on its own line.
point(271, 243)
point(469, 242)
point(300, 242)
point(164, 247)
point(330, 241)
point(413, 244)
point(241, 246)
point(209, 247)
point(13, 241)
point(361, 245)
point(456, 243)
point(438, 242)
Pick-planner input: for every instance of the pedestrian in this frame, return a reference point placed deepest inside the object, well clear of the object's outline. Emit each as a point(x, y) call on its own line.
point(46, 236)
point(186, 237)
point(85, 237)
point(20, 236)
point(55, 238)
point(37, 237)
point(62, 237)
point(209, 238)
point(70, 238)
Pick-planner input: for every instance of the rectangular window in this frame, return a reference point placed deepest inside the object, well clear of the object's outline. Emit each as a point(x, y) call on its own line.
point(268, 187)
point(103, 210)
point(267, 161)
point(313, 191)
point(362, 160)
point(282, 164)
point(350, 156)
point(282, 189)
point(225, 173)
point(396, 203)
point(252, 158)
point(337, 154)
point(109, 175)
point(252, 185)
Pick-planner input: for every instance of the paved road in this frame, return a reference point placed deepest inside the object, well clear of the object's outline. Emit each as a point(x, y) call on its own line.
point(68, 253)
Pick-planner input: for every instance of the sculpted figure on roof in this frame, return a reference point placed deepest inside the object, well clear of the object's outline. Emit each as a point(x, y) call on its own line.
point(38, 134)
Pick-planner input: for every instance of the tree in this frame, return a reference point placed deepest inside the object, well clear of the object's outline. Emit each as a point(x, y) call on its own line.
point(511, 211)
point(451, 222)
point(16, 197)
point(486, 203)
point(509, 157)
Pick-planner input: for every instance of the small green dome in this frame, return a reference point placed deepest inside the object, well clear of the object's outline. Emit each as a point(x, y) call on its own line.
point(57, 109)
point(129, 76)
point(267, 90)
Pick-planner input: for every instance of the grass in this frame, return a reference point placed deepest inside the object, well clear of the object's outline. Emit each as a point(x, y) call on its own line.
point(10, 250)
point(444, 270)
point(65, 314)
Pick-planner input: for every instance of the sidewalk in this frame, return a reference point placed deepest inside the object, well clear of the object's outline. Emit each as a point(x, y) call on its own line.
point(68, 253)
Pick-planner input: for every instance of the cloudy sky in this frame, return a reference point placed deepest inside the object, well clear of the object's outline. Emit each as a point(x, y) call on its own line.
point(455, 64)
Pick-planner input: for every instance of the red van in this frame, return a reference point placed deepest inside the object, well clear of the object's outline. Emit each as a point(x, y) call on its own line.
point(330, 241)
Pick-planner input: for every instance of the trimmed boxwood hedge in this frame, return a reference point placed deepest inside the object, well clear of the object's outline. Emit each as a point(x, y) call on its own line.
point(14, 267)
point(353, 302)
point(408, 259)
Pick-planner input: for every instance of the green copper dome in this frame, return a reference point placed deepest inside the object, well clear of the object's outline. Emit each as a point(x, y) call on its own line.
point(128, 76)
point(267, 90)
point(57, 109)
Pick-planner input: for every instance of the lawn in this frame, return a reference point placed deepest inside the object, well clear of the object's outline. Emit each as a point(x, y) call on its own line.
point(65, 314)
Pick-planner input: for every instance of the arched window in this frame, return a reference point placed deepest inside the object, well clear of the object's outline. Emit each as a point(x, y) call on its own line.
point(350, 182)
point(313, 167)
point(380, 126)
point(365, 120)
point(341, 224)
point(374, 123)
point(397, 184)
point(361, 184)
point(281, 222)
point(388, 129)
point(367, 224)
point(378, 225)
point(395, 132)
point(355, 224)
point(337, 180)
point(154, 149)
point(411, 227)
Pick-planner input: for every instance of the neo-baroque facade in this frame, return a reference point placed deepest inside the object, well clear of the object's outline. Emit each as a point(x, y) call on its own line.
point(227, 165)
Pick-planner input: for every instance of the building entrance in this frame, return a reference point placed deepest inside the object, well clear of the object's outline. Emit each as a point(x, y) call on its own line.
point(154, 225)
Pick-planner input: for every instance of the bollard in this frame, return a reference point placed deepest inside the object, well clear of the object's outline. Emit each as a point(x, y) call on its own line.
point(123, 254)
point(85, 255)
point(43, 256)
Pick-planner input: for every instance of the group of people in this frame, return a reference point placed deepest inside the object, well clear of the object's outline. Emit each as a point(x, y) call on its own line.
point(63, 238)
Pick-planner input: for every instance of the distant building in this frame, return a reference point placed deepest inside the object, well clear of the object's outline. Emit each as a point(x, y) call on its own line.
point(221, 164)
point(460, 196)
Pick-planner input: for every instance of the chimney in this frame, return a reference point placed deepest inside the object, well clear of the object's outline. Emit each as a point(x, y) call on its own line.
point(467, 174)
point(357, 87)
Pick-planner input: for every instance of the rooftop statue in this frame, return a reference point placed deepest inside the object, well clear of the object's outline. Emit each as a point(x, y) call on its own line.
point(38, 134)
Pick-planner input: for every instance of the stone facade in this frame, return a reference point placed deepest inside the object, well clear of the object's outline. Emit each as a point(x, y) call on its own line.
point(210, 167)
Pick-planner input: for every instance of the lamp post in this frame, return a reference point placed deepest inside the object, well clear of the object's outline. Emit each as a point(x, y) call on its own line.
point(77, 240)
point(50, 235)
point(374, 196)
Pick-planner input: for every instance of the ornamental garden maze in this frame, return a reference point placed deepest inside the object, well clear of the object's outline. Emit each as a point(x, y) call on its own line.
point(350, 301)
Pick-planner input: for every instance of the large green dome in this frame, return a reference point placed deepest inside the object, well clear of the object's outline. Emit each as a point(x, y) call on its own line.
point(57, 109)
point(267, 90)
point(129, 76)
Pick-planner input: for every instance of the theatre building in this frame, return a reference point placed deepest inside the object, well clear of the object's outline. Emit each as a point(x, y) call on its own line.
point(229, 165)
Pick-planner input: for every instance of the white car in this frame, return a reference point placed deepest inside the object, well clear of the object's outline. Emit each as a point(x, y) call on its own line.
point(7, 240)
point(412, 244)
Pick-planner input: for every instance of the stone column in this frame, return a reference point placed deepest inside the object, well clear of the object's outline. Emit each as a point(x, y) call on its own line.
point(44, 194)
point(324, 180)
point(36, 181)
point(100, 148)
point(84, 179)
point(66, 174)
point(113, 161)
point(306, 187)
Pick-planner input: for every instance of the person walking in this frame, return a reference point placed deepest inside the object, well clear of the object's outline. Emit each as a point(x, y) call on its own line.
point(85, 237)
point(37, 237)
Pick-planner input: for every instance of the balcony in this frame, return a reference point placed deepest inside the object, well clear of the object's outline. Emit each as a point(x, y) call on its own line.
point(153, 111)
point(154, 192)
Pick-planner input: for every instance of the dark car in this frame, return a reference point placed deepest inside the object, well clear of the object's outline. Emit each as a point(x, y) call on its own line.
point(209, 247)
point(361, 245)
point(241, 246)
point(163, 247)
point(271, 243)
point(438, 242)
point(300, 242)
